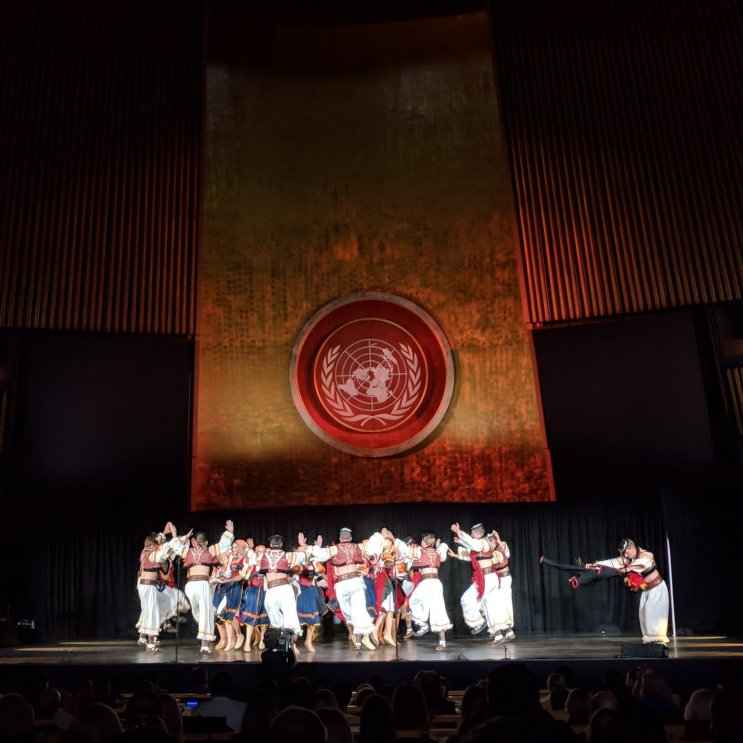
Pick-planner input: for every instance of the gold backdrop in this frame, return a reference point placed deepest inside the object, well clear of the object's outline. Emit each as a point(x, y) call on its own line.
point(357, 158)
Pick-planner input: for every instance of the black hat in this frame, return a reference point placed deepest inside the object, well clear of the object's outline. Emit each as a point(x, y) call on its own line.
point(624, 544)
point(275, 540)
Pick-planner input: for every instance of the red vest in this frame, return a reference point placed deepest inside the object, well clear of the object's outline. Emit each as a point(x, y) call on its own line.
point(429, 558)
point(145, 560)
point(199, 556)
point(274, 561)
point(348, 554)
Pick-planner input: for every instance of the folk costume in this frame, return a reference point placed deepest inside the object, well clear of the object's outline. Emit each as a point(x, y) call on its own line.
point(488, 601)
point(171, 601)
point(642, 576)
point(345, 583)
point(311, 604)
point(252, 606)
point(151, 560)
point(196, 556)
point(426, 601)
point(280, 599)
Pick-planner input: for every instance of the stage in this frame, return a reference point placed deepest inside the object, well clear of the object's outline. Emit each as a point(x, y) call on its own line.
point(692, 661)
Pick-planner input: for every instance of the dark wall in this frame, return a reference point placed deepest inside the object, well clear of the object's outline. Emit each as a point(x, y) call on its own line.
point(100, 435)
point(625, 406)
point(102, 423)
point(633, 411)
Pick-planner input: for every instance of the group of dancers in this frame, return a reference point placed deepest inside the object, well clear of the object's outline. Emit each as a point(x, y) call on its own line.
point(239, 588)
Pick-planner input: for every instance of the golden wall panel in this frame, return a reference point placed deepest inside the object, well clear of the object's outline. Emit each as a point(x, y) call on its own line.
point(346, 159)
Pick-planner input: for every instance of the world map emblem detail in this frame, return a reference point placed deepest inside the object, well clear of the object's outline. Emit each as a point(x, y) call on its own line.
point(372, 374)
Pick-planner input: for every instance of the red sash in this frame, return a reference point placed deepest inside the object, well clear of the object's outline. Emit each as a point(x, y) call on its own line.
point(416, 579)
point(168, 578)
point(330, 576)
point(478, 577)
point(380, 581)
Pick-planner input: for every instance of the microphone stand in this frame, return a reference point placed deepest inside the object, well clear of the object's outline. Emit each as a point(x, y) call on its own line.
point(177, 606)
point(670, 582)
point(397, 642)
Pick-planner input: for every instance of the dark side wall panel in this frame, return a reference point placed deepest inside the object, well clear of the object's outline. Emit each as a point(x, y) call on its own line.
point(100, 141)
point(622, 121)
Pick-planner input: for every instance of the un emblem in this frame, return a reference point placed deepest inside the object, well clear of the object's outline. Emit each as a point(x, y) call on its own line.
point(372, 374)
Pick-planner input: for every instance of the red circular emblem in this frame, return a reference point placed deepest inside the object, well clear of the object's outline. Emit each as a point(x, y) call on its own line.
point(372, 374)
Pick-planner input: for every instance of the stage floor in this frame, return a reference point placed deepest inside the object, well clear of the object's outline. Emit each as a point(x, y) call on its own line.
point(692, 662)
point(552, 648)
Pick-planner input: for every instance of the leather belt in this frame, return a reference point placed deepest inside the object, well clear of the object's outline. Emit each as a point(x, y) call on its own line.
point(279, 582)
point(347, 576)
point(192, 578)
point(654, 582)
point(503, 572)
point(428, 576)
point(147, 582)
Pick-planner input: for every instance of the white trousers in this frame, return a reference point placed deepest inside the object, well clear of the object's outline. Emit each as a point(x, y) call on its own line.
point(427, 605)
point(474, 609)
point(499, 606)
point(654, 614)
point(281, 607)
point(199, 594)
point(149, 617)
point(170, 601)
point(351, 596)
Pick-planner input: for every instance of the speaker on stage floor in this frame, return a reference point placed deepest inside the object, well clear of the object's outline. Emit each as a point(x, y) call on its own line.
point(643, 650)
point(8, 633)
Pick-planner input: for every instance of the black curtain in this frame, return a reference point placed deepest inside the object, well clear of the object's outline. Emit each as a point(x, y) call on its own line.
point(84, 582)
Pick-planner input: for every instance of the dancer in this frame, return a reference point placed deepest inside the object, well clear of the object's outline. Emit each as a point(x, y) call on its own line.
point(426, 601)
point(277, 565)
point(482, 604)
point(368, 570)
point(221, 579)
point(154, 553)
point(230, 614)
point(404, 576)
point(502, 613)
point(641, 574)
point(171, 601)
point(253, 613)
point(345, 582)
point(198, 558)
point(389, 595)
point(311, 606)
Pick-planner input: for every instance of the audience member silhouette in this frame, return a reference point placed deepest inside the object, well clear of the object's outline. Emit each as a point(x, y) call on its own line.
point(377, 725)
point(409, 710)
point(513, 691)
point(297, 724)
point(339, 731)
point(578, 706)
point(727, 714)
point(697, 715)
point(16, 719)
point(97, 723)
